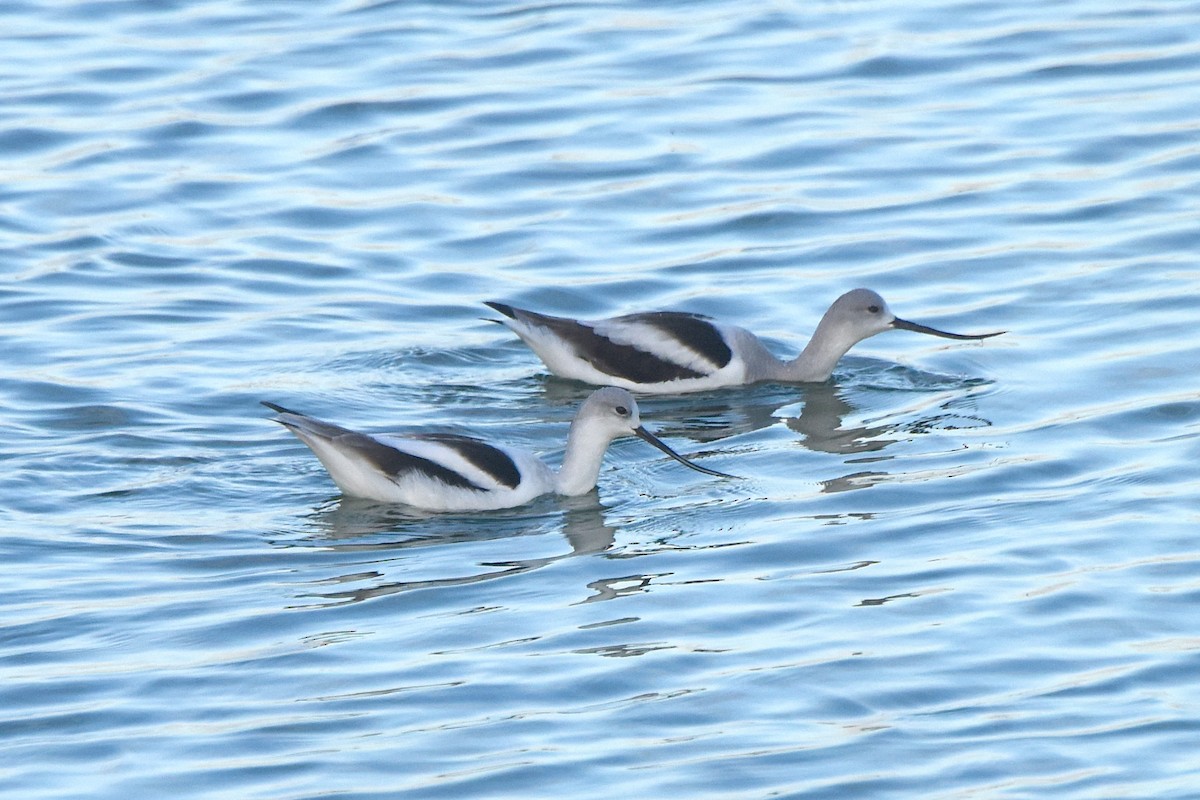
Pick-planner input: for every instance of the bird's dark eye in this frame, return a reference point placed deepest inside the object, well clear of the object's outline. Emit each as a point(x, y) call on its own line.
point(873, 309)
point(622, 410)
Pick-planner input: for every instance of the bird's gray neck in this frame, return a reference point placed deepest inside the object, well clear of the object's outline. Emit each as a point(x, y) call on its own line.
point(815, 363)
point(581, 462)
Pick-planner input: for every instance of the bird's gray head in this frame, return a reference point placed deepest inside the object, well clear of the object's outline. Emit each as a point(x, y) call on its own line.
point(612, 409)
point(861, 313)
point(615, 412)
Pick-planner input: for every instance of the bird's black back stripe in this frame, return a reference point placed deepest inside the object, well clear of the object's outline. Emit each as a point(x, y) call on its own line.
point(492, 460)
point(503, 308)
point(619, 360)
point(691, 330)
point(624, 360)
point(629, 362)
point(397, 463)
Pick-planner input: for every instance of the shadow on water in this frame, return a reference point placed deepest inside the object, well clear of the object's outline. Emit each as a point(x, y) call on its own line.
point(345, 526)
point(816, 411)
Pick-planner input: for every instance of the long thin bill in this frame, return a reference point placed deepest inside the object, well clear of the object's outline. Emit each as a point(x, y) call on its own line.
point(916, 327)
point(646, 435)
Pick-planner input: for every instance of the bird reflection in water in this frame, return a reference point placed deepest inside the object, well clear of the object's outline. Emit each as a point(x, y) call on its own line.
point(815, 411)
point(818, 412)
point(353, 525)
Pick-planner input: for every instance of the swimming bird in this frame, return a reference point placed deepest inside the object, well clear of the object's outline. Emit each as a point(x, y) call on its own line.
point(450, 472)
point(669, 352)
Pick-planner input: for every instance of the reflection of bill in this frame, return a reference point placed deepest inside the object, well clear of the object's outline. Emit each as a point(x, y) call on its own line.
point(815, 411)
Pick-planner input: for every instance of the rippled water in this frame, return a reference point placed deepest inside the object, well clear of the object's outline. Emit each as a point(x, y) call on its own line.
point(956, 570)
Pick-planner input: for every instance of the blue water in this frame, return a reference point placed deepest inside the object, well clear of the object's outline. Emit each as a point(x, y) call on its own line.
point(955, 571)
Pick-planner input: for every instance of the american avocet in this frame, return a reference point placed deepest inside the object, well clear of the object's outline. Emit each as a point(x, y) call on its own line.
point(448, 472)
point(669, 352)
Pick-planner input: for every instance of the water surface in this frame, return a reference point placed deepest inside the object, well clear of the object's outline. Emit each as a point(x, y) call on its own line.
point(955, 570)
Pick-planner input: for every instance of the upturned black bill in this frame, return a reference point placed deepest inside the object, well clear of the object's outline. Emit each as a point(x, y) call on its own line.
point(916, 327)
point(646, 435)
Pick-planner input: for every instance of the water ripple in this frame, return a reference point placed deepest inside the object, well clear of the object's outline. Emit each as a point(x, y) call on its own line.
point(967, 566)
